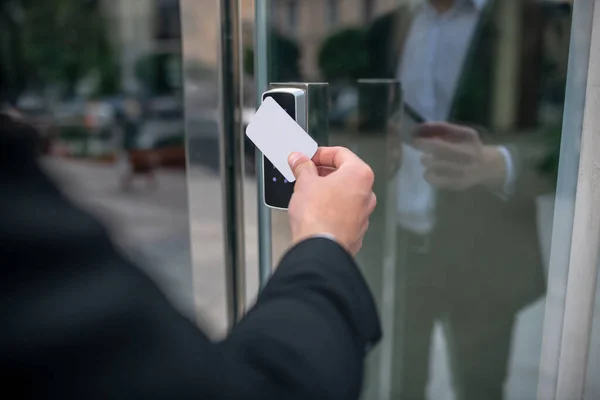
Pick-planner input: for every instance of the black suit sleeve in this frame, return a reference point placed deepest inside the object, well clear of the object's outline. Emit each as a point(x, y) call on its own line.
point(80, 321)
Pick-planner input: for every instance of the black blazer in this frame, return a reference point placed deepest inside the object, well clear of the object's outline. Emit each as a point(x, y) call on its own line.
point(487, 247)
point(80, 321)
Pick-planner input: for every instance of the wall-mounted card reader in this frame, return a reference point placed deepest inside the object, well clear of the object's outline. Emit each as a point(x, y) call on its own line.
point(307, 104)
point(278, 190)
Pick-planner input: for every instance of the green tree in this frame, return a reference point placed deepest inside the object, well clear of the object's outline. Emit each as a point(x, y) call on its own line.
point(154, 72)
point(12, 79)
point(62, 41)
point(343, 55)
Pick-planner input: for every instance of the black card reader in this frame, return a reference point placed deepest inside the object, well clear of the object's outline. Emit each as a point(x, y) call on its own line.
point(277, 190)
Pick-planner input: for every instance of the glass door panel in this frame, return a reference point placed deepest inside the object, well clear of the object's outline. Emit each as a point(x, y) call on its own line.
point(469, 161)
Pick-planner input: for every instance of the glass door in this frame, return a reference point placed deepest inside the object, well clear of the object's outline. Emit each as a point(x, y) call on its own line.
point(460, 108)
point(479, 118)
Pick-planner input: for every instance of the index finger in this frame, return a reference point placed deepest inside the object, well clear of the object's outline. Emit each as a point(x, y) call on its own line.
point(334, 157)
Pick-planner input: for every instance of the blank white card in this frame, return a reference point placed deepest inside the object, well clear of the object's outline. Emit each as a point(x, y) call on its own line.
point(277, 135)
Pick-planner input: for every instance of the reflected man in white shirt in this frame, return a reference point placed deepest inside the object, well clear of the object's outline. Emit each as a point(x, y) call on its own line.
point(468, 250)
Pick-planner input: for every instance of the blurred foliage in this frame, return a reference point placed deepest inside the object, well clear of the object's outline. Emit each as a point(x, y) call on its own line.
point(61, 42)
point(343, 55)
point(157, 75)
point(109, 78)
point(284, 59)
point(148, 70)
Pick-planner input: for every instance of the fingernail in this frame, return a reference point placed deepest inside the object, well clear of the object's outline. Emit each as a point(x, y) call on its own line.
point(293, 158)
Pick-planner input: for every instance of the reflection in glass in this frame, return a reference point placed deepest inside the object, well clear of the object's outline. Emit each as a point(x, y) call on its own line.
point(484, 85)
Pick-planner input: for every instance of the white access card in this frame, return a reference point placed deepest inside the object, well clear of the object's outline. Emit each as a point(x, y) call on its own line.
point(277, 135)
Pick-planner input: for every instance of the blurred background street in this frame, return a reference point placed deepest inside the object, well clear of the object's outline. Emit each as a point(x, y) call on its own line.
point(153, 226)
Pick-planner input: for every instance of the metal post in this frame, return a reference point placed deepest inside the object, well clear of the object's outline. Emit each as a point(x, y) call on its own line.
point(232, 158)
point(583, 264)
point(261, 62)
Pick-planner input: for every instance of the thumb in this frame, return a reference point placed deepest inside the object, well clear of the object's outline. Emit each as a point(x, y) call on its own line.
point(302, 166)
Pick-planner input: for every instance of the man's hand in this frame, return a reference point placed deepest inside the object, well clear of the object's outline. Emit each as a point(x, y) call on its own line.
point(333, 195)
point(455, 157)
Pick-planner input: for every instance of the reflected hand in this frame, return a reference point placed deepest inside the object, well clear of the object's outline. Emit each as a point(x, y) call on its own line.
point(333, 195)
point(455, 157)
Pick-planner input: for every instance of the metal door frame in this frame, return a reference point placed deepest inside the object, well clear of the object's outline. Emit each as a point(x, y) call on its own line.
point(585, 240)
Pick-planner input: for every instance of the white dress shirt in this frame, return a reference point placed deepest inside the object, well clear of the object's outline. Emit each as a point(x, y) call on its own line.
point(434, 54)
